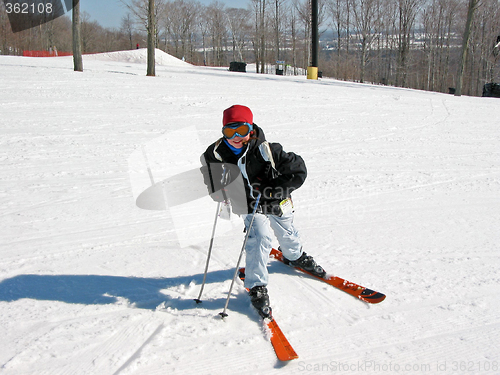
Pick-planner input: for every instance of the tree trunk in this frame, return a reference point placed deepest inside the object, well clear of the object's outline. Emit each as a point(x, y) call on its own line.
point(262, 36)
point(277, 29)
point(77, 39)
point(465, 46)
point(151, 38)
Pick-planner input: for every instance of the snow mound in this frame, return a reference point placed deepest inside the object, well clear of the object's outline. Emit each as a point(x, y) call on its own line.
point(138, 56)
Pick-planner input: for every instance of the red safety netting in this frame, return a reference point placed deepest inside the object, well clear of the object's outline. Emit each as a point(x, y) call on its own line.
point(46, 53)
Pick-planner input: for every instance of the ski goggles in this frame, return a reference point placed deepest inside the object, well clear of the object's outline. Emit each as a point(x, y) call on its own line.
point(238, 129)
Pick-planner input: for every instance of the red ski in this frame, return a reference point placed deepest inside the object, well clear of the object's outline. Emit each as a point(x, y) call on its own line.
point(282, 347)
point(364, 294)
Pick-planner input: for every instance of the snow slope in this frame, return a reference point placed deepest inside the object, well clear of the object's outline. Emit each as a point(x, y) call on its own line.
point(402, 196)
point(139, 56)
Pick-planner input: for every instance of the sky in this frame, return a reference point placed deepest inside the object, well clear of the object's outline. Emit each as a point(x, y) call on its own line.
point(109, 13)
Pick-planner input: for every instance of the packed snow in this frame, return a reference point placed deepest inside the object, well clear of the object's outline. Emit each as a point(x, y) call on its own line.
point(402, 196)
point(137, 57)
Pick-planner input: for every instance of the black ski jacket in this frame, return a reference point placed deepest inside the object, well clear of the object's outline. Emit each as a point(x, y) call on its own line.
point(274, 183)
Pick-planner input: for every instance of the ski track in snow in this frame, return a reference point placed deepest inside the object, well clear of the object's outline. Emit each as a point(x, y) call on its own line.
point(402, 196)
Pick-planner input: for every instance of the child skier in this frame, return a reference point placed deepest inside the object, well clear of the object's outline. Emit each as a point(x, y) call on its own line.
point(274, 174)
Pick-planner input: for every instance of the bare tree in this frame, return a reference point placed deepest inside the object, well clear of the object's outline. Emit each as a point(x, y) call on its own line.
point(90, 34)
point(180, 18)
point(336, 10)
point(77, 39)
point(304, 18)
point(278, 26)
point(151, 38)
point(259, 8)
point(340, 13)
point(388, 44)
point(407, 13)
point(203, 26)
point(492, 42)
point(293, 27)
point(5, 33)
point(262, 33)
point(438, 21)
point(465, 45)
point(367, 26)
point(240, 28)
point(147, 12)
point(482, 57)
point(218, 31)
point(127, 28)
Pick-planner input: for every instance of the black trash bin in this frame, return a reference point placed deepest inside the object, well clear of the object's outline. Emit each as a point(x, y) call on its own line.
point(236, 66)
point(491, 90)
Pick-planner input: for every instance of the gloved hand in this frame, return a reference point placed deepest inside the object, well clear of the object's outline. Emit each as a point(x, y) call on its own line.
point(218, 195)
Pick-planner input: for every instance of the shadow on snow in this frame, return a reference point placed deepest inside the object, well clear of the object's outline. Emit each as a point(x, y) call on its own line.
point(140, 292)
point(146, 293)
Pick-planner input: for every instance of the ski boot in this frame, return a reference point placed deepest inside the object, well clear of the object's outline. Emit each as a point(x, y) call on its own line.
point(260, 300)
point(307, 263)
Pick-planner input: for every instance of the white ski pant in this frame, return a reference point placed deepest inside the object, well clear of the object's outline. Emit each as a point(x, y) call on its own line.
point(259, 244)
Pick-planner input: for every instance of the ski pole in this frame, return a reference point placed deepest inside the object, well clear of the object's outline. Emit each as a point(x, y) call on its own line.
point(223, 314)
point(198, 300)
